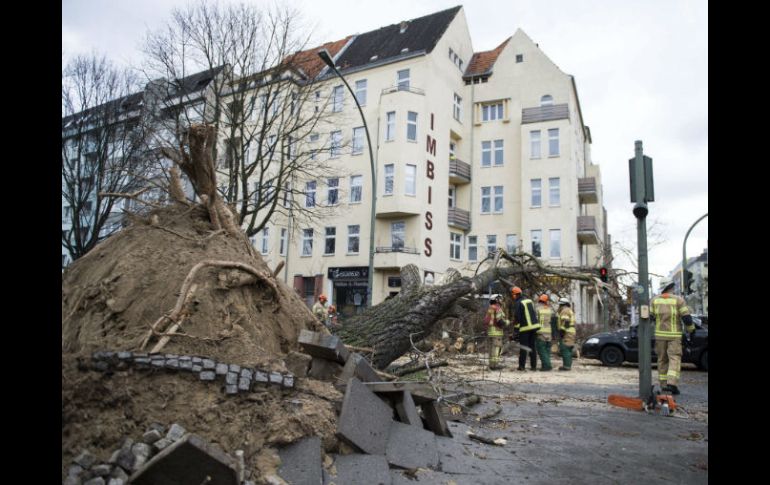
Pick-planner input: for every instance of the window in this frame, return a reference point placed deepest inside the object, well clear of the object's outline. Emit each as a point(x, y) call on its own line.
point(353, 238)
point(511, 243)
point(337, 95)
point(66, 213)
point(410, 182)
point(356, 182)
point(486, 200)
point(553, 142)
point(361, 92)
point(537, 192)
point(554, 199)
point(498, 152)
point(486, 153)
point(287, 194)
point(492, 112)
point(536, 243)
point(498, 199)
point(358, 140)
point(397, 233)
point(314, 137)
point(332, 192)
point(411, 126)
point(519, 57)
point(491, 244)
point(265, 240)
point(452, 196)
point(403, 79)
point(389, 173)
point(310, 194)
point(282, 248)
point(546, 100)
point(457, 111)
point(394, 281)
point(331, 238)
point(455, 244)
point(336, 143)
point(307, 242)
point(534, 144)
point(555, 243)
point(390, 126)
point(473, 250)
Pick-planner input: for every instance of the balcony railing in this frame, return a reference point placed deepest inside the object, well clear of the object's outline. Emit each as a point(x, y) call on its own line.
point(459, 218)
point(545, 113)
point(410, 89)
point(587, 190)
point(395, 249)
point(459, 171)
point(586, 230)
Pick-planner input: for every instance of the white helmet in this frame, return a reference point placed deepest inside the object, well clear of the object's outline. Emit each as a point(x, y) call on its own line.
point(495, 297)
point(563, 301)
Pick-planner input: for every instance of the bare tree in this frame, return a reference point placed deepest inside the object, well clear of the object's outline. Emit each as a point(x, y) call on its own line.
point(102, 143)
point(259, 93)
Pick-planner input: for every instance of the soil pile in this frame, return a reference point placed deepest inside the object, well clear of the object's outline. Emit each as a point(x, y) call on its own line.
point(112, 296)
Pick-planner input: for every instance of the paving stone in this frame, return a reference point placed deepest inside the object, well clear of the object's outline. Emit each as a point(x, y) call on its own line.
point(357, 366)
point(434, 419)
point(141, 355)
point(209, 364)
point(102, 470)
point(323, 346)
point(185, 365)
point(101, 366)
point(247, 374)
point(207, 375)
point(276, 378)
point(324, 370)
point(142, 452)
point(175, 432)
point(123, 457)
point(72, 481)
point(124, 355)
point(231, 378)
point(188, 461)
point(162, 444)
point(116, 481)
point(288, 381)
point(406, 410)
point(172, 364)
point(197, 360)
point(234, 368)
point(453, 457)
point(357, 468)
point(158, 363)
point(142, 362)
point(221, 369)
point(171, 356)
point(119, 474)
point(95, 481)
point(196, 368)
point(151, 436)
point(260, 376)
point(185, 358)
point(298, 363)
point(85, 459)
point(74, 470)
point(411, 447)
point(244, 384)
point(301, 462)
point(231, 389)
point(364, 419)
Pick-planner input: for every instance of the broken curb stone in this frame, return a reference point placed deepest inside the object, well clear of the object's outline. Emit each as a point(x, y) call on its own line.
point(85, 459)
point(365, 419)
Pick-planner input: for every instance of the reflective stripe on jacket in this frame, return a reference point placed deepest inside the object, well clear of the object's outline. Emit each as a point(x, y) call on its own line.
point(524, 307)
point(567, 320)
point(495, 313)
point(544, 314)
point(668, 309)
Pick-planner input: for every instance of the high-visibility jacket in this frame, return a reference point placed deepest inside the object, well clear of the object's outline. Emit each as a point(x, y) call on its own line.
point(567, 320)
point(668, 309)
point(544, 316)
point(319, 310)
point(524, 315)
point(495, 314)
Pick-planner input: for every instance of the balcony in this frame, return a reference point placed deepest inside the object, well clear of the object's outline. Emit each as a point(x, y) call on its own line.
point(402, 89)
point(545, 113)
point(396, 206)
point(587, 190)
point(459, 218)
point(586, 230)
point(459, 172)
point(395, 257)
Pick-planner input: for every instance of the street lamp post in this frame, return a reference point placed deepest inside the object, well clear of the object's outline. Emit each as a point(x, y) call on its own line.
point(684, 253)
point(326, 57)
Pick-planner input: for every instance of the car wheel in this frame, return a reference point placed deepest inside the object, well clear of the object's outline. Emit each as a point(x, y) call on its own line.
point(611, 356)
point(703, 362)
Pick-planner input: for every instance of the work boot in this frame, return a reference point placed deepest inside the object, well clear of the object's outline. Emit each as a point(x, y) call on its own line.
point(672, 389)
point(523, 369)
point(546, 369)
point(565, 368)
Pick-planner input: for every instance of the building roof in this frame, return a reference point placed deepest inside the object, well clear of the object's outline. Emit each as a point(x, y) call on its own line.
point(420, 34)
point(482, 62)
point(309, 62)
point(195, 82)
point(124, 104)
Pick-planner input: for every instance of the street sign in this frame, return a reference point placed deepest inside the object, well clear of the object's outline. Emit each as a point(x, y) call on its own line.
point(648, 190)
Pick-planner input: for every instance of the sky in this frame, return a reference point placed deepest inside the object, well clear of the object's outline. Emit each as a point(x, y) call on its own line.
point(640, 67)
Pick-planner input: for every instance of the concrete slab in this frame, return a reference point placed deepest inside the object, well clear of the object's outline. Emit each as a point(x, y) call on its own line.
point(356, 469)
point(301, 462)
point(364, 419)
point(434, 419)
point(406, 409)
point(357, 366)
point(189, 460)
point(411, 447)
point(324, 370)
point(323, 346)
point(421, 392)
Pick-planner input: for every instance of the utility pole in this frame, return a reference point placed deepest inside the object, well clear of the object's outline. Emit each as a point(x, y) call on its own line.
point(640, 172)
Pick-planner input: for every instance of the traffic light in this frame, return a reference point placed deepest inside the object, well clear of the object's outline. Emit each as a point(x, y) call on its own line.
point(688, 278)
point(603, 274)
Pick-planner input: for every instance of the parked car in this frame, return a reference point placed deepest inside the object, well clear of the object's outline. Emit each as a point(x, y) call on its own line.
point(614, 348)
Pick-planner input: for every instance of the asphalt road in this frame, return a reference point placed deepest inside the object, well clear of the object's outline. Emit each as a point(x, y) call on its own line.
point(560, 429)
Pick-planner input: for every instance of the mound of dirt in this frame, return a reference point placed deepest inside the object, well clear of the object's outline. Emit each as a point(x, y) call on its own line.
point(112, 296)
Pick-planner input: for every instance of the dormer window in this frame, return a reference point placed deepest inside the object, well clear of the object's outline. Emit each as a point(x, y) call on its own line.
point(402, 27)
point(546, 100)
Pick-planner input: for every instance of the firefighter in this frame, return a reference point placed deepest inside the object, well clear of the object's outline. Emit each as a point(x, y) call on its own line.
point(667, 309)
point(495, 321)
point(566, 332)
point(319, 309)
point(546, 317)
point(332, 316)
point(525, 327)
